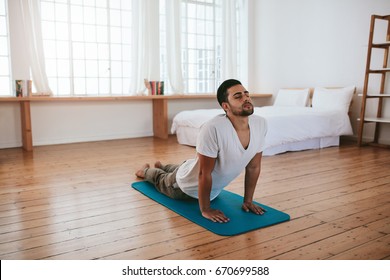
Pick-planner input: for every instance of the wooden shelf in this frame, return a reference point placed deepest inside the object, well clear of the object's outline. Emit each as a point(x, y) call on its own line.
point(379, 71)
point(385, 95)
point(119, 98)
point(381, 45)
point(386, 17)
point(376, 120)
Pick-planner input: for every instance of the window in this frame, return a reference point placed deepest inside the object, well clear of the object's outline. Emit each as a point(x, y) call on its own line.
point(200, 42)
point(87, 46)
point(201, 45)
point(5, 73)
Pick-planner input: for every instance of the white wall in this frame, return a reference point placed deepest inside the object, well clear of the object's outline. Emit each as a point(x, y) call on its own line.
point(301, 43)
point(10, 128)
point(64, 122)
point(309, 43)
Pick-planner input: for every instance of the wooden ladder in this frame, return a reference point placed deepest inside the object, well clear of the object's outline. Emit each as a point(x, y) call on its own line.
point(378, 120)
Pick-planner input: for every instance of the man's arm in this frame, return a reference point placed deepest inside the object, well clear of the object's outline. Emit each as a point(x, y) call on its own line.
point(252, 173)
point(206, 166)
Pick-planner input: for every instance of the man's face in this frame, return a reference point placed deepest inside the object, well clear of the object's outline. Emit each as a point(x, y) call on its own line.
point(239, 103)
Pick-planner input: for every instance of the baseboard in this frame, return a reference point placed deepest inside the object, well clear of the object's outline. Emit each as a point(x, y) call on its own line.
point(58, 141)
point(9, 145)
point(54, 141)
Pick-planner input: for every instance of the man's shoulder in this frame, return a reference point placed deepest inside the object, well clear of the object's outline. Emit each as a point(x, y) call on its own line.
point(217, 120)
point(259, 123)
point(257, 119)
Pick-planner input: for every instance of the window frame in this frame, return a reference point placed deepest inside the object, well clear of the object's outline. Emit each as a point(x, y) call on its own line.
point(102, 80)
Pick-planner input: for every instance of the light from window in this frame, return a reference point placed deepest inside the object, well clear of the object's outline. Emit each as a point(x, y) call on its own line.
point(201, 33)
point(201, 45)
point(5, 73)
point(87, 46)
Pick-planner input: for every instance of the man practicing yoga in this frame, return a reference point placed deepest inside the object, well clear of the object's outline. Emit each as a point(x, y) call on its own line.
point(226, 145)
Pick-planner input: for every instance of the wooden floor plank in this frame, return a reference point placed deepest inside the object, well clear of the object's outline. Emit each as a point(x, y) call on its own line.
point(232, 245)
point(271, 248)
point(75, 202)
point(333, 245)
point(375, 250)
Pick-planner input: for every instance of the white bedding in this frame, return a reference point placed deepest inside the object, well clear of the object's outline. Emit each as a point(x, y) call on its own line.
point(289, 128)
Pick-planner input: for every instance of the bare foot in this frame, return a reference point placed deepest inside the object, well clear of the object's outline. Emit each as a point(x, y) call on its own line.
point(158, 164)
point(141, 173)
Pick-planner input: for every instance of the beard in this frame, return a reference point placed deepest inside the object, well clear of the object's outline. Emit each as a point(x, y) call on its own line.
point(245, 110)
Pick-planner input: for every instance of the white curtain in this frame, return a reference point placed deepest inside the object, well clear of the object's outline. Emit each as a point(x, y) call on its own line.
point(173, 40)
point(244, 55)
point(146, 45)
point(229, 40)
point(31, 19)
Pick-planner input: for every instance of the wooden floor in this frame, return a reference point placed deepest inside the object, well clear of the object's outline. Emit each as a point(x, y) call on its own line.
point(75, 202)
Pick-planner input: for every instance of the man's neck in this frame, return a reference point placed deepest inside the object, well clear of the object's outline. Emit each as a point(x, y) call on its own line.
point(239, 122)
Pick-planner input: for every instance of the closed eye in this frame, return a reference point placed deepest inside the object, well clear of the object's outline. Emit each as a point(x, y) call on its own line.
point(239, 95)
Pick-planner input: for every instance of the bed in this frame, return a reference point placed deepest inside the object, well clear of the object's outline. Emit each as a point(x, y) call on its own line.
point(300, 119)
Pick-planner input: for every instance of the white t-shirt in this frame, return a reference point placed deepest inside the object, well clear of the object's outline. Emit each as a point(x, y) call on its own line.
point(218, 139)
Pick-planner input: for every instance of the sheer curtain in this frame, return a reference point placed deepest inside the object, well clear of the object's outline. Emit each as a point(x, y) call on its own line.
point(146, 46)
point(146, 42)
point(30, 15)
point(173, 39)
point(243, 53)
point(229, 40)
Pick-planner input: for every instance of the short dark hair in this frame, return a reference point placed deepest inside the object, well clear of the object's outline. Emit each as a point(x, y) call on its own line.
point(222, 93)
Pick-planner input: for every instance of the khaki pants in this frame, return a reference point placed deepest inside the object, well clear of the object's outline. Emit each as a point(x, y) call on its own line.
point(164, 180)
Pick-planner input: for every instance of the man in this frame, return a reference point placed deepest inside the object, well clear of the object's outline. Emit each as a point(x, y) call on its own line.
point(226, 145)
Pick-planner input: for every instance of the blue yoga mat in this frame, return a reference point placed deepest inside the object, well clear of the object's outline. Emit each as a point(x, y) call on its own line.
point(229, 203)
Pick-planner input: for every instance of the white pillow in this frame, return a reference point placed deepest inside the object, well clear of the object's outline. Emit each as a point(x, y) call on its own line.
point(292, 97)
point(333, 99)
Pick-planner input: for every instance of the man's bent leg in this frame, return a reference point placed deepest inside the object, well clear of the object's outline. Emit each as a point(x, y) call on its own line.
point(170, 167)
point(165, 182)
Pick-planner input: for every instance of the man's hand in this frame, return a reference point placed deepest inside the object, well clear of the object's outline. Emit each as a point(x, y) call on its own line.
point(215, 215)
point(250, 206)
